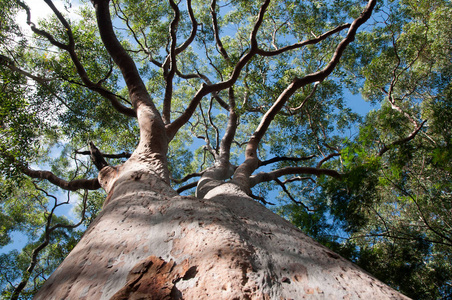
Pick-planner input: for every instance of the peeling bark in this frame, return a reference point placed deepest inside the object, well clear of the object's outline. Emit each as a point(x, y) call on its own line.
point(150, 243)
point(154, 278)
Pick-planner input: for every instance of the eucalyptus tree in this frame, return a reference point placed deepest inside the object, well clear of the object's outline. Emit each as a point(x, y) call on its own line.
point(226, 98)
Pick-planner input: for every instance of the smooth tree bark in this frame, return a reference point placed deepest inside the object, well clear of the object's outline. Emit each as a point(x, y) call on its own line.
point(148, 242)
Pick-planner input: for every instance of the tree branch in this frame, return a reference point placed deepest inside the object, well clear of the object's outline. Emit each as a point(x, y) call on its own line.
point(187, 187)
point(269, 176)
point(153, 138)
point(326, 158)
point(216, 31)
point(401, 141)
point(187, 177)
point(206, 138)
point(285, 158)
point(299, 178)
point(170, 60)
point(215, 127)
point(295, 109)
point(283, 186)
point(42, 81)
point(106, 155)
point(137, 89)
point(73, 185)
point(228, 137)
point(421, 212)
point(313, 77)
point(261, 199)
point(207, 81)
point(303, 43)
point(96, 157)
point(193, 32)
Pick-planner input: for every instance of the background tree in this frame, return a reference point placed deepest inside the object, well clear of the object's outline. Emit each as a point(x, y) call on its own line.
point(200, 93)
point(393, 209)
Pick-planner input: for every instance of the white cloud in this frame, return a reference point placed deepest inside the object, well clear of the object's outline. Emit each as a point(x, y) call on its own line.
point(39, 10)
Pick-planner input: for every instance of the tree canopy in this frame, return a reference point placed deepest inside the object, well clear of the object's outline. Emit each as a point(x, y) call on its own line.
point(259, 93)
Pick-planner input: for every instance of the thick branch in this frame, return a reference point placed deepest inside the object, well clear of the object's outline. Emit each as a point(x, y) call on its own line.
point(223, 169)
point(212, 124)
point(187, 187)
point(171, 61)
point(96, 157)
point(153, 144)
point(137, 89)
point(107, 155)
point(194, 29)
point(88, 184)
point(228, 138)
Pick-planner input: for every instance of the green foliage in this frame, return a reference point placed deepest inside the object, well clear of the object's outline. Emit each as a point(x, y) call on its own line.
point(26, 214)
point(389, 212)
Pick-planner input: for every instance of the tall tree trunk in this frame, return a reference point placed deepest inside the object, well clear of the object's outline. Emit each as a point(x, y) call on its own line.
point(150, 243)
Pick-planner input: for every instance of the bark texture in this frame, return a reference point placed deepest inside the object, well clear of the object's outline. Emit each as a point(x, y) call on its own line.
point(150, 243)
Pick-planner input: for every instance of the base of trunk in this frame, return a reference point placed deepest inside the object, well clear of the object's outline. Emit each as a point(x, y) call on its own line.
point(149, 243)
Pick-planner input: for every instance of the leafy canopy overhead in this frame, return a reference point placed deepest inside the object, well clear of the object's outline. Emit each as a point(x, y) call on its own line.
point(250, 91)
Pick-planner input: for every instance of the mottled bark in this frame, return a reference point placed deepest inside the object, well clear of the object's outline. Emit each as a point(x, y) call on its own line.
point(150, 243)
